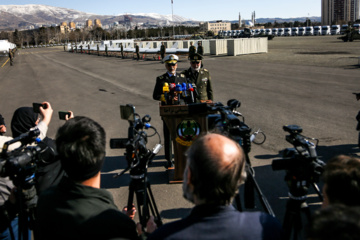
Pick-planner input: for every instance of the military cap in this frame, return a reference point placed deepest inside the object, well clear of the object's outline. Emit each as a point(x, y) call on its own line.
point(196, 57)
point(171, 59)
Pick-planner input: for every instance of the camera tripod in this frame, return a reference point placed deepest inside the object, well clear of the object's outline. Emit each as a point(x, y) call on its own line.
point(145, 200)
point(297, 209)
point(250, 186)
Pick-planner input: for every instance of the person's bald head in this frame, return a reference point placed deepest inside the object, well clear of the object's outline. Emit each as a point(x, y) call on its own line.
point(215, 165)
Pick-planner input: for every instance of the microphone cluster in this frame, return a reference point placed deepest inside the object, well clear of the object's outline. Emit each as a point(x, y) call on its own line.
point(176, 94)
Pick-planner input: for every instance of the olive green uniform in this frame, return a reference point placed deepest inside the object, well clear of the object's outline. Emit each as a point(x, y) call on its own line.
point(192, 50)
point(202, 82)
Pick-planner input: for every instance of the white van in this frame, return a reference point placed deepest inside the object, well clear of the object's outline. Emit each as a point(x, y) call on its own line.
point(317, 30)
point(343, 29)
point(325, 30)
point(335, 29)
point(295, 31)
point(275, 31)
point(356, 26)
point(281, 32)
point(287, 32)
point(309, 31)
point(302, 31)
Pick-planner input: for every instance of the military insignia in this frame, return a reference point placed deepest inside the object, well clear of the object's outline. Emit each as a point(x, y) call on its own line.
point(182, 75)
point(196, 57)
point(204, 79)
point(205, 70)
point(187, 131)
point(161, 77)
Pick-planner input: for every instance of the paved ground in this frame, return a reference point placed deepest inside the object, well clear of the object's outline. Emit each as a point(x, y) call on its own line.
point(302, 80)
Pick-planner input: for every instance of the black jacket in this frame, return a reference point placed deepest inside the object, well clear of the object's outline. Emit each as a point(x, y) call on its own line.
point(75, 211)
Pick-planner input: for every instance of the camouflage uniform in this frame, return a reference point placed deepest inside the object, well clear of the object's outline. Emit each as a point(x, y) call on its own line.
point(202, 80)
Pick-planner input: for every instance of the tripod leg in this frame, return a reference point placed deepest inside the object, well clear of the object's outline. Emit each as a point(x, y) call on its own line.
point(153, 207)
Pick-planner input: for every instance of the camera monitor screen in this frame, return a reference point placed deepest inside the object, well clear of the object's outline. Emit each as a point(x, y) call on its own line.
point(127, 112)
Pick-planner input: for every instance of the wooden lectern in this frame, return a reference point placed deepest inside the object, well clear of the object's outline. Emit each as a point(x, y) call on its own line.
point(184, 128)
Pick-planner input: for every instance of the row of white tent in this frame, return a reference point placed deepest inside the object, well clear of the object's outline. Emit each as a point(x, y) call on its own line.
point(294, 31)
point(150, 47)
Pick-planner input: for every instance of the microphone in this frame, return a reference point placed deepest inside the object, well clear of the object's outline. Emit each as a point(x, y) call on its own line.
point(178, 90)
point(164, 96)
point(191, 90)
point(184, 89)
point(172, 92)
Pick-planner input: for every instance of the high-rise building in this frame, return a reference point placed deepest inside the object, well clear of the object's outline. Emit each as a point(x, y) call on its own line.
point(97, 23)
point(89, 23)
point(72, 25)
point(339, 11)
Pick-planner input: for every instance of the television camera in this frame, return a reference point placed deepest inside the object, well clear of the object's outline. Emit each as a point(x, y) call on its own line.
point(138, 158)
point(227, 121)
point(303, 169)
point(20, 166)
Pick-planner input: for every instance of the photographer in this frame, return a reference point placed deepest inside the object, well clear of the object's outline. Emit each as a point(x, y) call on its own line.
point(77, 208)
point(213, 174)
point(49, 170)
point(8, 211)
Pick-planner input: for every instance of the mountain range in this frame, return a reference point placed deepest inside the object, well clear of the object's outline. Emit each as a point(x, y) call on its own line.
point(31, 15)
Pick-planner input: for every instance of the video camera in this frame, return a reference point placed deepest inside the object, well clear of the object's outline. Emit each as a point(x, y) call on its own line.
point(137, 155)
point(138, 158)
point(226, 120)
point(301, 162)
point(21, 164)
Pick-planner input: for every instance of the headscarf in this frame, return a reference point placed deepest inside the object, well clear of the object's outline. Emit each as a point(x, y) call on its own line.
point(23, 119)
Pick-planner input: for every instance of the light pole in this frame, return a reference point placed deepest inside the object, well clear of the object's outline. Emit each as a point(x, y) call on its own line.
point(172, 10)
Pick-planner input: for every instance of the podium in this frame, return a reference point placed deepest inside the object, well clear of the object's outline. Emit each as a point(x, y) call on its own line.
point(184, 128)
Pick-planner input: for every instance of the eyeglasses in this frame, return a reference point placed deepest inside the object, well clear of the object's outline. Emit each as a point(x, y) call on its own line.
point(171, 64)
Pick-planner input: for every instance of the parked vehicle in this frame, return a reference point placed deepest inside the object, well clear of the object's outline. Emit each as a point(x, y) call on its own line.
point(281, 32)
point(268, 31)
point(325, 30)
point(309, 31)
point(335, 29)
point(295, 31)
point(287, 31)
point(275, 31)
point(317, 30)
point(343, 29)
point(302, 31)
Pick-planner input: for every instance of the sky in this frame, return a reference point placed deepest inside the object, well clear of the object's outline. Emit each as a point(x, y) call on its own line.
point(201, 10)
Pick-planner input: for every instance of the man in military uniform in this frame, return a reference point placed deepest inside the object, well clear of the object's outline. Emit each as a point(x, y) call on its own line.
point(122, 50)
point(169, 77)
point(199, 77)
point(192, 49)
point(106, 50)
point(200, 49)
point(137, 52)
point(98, 50)
point(11, 57)
point(162, 51)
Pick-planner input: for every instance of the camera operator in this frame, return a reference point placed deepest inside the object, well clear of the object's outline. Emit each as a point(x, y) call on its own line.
point(213, 174)
point(77, 208)
point(8, 211)
point(49, 170)
point(342, 181)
